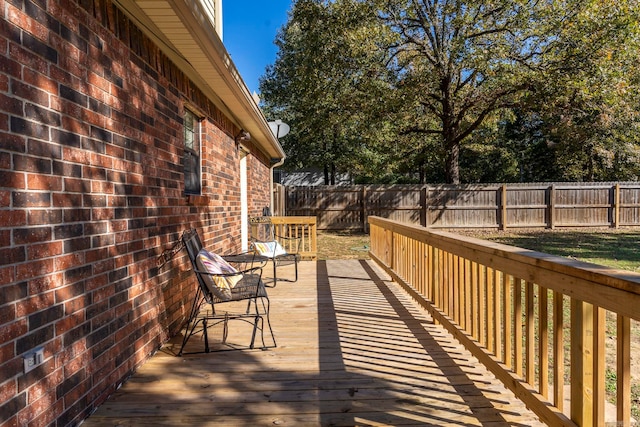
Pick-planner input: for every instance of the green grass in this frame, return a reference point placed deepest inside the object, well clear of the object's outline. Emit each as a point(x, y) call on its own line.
point(609, 247)
point(343, 245)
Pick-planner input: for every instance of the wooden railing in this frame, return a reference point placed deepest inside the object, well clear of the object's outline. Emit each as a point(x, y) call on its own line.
point(525, 315)
point(299, 229)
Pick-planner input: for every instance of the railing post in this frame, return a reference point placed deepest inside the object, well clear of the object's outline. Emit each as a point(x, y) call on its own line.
point(582, 335)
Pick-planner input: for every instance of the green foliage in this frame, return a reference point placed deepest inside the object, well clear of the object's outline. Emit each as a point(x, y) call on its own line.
point(326, 82)
point(447, 91)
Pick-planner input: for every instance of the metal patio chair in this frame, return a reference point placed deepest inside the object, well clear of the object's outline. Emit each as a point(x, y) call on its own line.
point(280, 250)
point(220, 289)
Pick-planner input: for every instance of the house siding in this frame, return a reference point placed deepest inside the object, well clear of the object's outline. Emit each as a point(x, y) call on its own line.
point(91, 192)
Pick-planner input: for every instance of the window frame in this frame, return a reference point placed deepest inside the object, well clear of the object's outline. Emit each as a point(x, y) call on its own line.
point(192, 158)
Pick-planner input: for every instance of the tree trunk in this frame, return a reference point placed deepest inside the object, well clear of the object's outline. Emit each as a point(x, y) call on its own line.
point(452, 166)
point(326, 174)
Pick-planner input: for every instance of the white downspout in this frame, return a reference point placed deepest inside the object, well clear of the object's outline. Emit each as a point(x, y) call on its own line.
point(275, 165)
point(279, 129)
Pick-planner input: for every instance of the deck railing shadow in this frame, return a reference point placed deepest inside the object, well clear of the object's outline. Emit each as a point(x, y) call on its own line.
point(353, 350)
point(375, 333)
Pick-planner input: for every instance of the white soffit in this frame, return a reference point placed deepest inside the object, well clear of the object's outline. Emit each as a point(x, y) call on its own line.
point(183, 30)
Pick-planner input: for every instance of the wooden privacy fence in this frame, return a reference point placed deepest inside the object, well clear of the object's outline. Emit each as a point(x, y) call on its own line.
point(519, 311)
point(296, 230)
point(471, 206)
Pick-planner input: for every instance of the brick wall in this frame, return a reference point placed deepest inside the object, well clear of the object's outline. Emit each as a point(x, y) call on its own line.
point(91, 191)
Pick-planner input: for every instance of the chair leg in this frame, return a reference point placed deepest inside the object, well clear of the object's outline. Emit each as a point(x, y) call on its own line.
point(255, 329)
point(266, 308)
point(206, 335)
point(195, 308)
point(275, 278)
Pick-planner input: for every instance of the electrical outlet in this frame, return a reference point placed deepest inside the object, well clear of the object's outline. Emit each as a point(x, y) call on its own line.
point(33, 359)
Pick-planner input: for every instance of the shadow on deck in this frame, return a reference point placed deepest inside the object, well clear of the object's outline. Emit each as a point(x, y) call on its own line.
point(353, 350)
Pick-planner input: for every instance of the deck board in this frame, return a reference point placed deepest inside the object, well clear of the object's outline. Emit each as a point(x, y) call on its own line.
point(353, 349)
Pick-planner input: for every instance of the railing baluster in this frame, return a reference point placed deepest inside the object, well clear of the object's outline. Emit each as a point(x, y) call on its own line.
point(558, 350)
point(623, 371)
point(599, 369)
point(490, 318)
point(581, 362)
point(498, 282)
point(507, 320)
point(482, 306)
point(543, 349)
point(530, 335)
point(517, 325)
point(468, 295)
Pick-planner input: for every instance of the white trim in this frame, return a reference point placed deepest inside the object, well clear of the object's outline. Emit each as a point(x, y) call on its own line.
point(244, 202)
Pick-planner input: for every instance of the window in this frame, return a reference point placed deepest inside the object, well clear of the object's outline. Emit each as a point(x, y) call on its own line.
point(191, 153)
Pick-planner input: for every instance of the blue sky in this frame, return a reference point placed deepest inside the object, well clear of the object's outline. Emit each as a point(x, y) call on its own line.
point(249, 29)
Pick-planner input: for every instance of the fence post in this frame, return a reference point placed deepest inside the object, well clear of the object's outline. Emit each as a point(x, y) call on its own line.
point(503, 207)
point(616, 205)
point(365, 223)
point(423, 206)
point(552, 205)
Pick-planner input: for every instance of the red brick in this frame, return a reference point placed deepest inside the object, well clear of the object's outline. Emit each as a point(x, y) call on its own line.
point(48, 383)
point(40, 81)
point(13, 330)
point(35, 303)
point(69, 261)
point(23, 236)
point(23, 199)
point(67, 199)
point(75, 185)
point(8, 389)
point(44, 284)
point(13, 218)
point(12, 255)
point(71, 321)
point(7, 313)
point(44, 250)
point(43, 409)
point(11, 105)
point(44, 182)
point(30, 93)
point(44, 216)
point(32, 164)
point(49, 416)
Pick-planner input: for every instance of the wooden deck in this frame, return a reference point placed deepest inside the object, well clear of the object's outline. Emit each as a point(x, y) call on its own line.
point(353, 350)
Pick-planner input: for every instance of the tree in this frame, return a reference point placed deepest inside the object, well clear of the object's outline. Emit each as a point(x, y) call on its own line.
point(464, 61)
point(327, 76)
point(590, 117)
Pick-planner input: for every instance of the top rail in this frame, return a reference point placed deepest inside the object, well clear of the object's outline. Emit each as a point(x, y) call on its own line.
point(521, 312)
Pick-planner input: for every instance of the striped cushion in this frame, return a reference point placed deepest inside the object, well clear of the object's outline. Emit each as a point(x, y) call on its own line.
point(269, 249)
point(215, 264)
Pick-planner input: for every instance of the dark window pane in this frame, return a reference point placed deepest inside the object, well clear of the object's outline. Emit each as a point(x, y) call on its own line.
point(191, 154)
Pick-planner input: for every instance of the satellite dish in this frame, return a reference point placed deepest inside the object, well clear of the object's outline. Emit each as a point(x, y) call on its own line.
point(279, 128)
